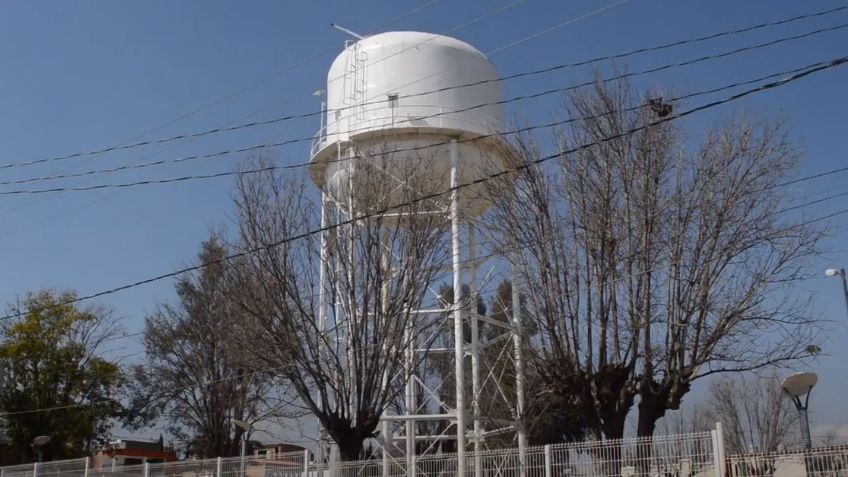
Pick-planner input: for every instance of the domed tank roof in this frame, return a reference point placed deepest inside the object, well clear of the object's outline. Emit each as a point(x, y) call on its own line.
point(408, 90)
point(418, 38)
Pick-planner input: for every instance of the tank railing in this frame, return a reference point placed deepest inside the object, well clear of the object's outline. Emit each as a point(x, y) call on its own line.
point(322, 138)
point(318, 141)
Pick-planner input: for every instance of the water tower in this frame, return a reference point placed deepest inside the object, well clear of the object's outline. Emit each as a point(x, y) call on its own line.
point(401, 94)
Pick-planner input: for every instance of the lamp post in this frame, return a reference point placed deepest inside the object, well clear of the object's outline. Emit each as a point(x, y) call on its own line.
point(797, 386)
point(38, 443)
point(832, 272)
point(245, 428)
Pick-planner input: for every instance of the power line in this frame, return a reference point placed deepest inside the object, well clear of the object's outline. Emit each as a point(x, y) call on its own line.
point(831, 64)
point(816, 176)
point(502, 251)
point(263, 80)
point(181, 388)
point(280, 72)
point(276, 368)
point(812, 202)
point(230, 128)
point(276, 74)
point(304, 164)
point(478, 293)
point(476, 83)
point(462, 25)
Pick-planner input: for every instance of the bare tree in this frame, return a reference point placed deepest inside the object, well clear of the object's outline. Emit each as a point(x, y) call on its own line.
point(694, 417)
point(196, 376)
point(829, 435)
point(652, 264)
point(756, 415)
point(344, 355)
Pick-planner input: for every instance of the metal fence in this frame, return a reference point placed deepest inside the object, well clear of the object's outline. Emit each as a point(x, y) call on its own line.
point(817, 462)
point(293, 464)
point(682, 455)
point(686, 455)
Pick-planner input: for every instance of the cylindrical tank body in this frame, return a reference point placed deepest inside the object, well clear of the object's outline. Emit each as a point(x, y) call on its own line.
point(394, 102)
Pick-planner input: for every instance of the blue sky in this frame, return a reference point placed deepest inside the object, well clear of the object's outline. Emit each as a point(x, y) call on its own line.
point(81, 75)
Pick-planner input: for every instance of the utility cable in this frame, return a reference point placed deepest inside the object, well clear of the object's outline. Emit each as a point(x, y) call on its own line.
point(274, 75)
point(357, 157)
point(496, 253)
point(260, 81)
point(233, 128)
point(776, 84)
point(476, 83)
point(277, 368)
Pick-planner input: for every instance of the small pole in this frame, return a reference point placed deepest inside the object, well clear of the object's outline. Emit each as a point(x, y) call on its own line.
point(219, 467)
point(146, 469)
point(35, 469)
point(386, 442)
point(243, 451)
point(475, 352)
point(720, 442)
point(549, 471)
point(518, 336)
point(716, 453)
point(84, 472)
point(319, 457)
point(459, 352)
point(844, 287)
point(334, 460)
point(305, 463)
point(409, 400)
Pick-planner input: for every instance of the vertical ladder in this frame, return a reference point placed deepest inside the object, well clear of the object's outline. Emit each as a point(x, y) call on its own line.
point(356, 86)
point(360, 84)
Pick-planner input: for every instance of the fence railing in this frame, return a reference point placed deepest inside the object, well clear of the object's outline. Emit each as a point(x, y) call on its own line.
point(817, 462)
point(681, 455)
point(292, 464)
point(686, 455)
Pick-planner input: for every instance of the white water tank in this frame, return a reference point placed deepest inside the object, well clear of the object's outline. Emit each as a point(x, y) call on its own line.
point(393, 106)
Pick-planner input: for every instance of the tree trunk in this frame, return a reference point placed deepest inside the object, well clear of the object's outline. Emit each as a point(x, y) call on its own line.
point(652, 407)
point(351, 438)
point(614, 395)
point(613, 424)
point(350, 444)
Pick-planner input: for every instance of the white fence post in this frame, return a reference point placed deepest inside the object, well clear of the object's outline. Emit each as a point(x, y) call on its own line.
point(218, 467)
point(716, 456)
point(146, 469)
point(85, 470)
point(305, 462)
point(35, 469)
point(549, 471)
point(720, 443)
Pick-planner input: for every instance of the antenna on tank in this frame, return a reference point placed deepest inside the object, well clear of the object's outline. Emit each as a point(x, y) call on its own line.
point(349, 32)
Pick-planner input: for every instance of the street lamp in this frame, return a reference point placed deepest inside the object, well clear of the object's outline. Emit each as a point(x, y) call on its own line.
point(832, 272)
point(797, 386)
point(245, 428)
point(39, 442)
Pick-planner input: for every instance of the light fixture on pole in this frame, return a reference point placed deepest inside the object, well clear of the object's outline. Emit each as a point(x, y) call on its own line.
point(38, 443)
point(245, 427)
point(833, 272)
point(797, 386)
